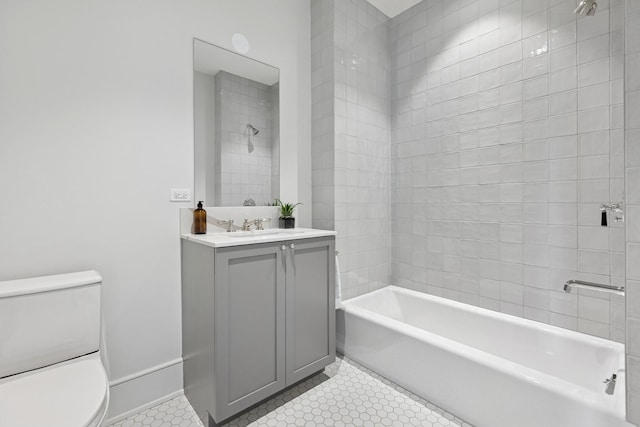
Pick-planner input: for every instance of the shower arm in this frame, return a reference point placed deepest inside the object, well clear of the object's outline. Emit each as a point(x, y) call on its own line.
point(252, 130)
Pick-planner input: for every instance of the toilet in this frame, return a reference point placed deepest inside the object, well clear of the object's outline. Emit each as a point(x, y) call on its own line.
point(51, 373)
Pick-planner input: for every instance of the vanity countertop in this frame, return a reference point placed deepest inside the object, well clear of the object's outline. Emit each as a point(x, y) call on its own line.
point(239, 238)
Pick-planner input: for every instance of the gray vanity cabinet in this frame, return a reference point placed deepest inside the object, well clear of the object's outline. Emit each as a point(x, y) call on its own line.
point(256, 319)
point(249, 325)
point(310, 307)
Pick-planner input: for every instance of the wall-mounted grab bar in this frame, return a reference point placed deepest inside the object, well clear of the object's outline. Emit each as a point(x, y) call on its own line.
point(591, 285)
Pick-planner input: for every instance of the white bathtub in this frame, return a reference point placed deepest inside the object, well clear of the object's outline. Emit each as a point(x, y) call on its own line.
point(488, 368)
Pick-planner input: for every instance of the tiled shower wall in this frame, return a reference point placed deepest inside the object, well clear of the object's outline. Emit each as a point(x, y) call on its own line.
point(322, 115)
point(243, 161)
point(204, 137)
point(351, 138)
point(274, 94)
point(507, 136)
point(632, 126)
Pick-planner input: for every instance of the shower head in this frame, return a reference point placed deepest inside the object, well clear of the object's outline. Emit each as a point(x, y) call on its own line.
point(586, 8)
point(253, 130)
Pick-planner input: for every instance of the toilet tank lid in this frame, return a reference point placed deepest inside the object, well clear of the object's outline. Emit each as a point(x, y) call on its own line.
point(34, 285)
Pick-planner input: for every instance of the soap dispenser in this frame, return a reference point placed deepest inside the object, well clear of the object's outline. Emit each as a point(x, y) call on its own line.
point(199, 220)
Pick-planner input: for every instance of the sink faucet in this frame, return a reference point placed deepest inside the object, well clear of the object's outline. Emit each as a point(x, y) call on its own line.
point(228, 223)
point(258, 222)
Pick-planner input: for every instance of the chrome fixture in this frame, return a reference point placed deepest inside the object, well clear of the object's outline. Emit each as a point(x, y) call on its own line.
point(252, 129)
point(603, 216)
point(586, 8)
point(258, 222)
point(617, 210)
point(228, 223)
point(569, 285)
point(249, 202)
point(611, 384)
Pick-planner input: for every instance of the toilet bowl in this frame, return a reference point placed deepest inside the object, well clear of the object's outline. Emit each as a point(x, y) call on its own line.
point(51, 373)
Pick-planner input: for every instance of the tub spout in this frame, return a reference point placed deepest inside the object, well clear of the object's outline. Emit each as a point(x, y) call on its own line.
point(611, 384)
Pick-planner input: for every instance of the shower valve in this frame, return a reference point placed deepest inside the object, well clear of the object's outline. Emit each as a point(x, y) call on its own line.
point(616, 209)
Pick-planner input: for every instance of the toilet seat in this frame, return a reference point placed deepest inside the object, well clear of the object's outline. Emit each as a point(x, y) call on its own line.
point(74, 393)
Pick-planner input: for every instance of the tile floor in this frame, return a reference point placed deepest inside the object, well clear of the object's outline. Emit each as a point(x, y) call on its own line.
point(346, 394)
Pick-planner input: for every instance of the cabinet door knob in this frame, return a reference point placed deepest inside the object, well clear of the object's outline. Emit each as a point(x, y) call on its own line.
point(284, 247)
point(292, 246)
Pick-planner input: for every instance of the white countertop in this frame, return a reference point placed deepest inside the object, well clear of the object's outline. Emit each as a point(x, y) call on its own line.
point(239, 238)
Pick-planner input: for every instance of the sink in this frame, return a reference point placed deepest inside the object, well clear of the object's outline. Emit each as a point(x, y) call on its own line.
point(266, 233)
point(223, 239)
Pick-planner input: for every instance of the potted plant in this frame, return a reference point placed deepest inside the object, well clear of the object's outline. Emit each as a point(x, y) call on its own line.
point(286, 214)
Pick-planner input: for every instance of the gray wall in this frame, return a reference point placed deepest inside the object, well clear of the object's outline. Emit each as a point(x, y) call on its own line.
point(507, 138)
point(274, 94)
point(244, 169)
point(322, 114)
point(351, 138)
point(632, 126)
point(204, 136)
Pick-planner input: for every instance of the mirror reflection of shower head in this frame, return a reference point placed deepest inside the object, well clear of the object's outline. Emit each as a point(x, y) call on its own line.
point(586, 8)
point(253, 130)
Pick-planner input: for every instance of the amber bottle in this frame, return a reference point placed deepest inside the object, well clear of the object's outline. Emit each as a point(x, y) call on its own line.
point(200, 220)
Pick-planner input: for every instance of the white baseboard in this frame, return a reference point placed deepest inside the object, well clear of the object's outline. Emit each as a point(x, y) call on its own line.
point(144, 389)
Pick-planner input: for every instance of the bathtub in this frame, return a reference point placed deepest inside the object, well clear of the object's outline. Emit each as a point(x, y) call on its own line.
point(488, 368)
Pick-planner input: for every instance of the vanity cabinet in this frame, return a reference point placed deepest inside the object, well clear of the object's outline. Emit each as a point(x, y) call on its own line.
point(256, 319)
point(310, 307)
point(249, 323)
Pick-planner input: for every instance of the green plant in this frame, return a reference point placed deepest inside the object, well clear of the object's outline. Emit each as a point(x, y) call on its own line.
point(286, 209)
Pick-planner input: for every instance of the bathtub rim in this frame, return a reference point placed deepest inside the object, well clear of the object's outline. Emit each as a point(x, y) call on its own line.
point(522, 372)
point(528, 323)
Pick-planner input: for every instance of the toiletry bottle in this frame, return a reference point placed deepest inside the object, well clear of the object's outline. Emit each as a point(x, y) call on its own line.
point(200, 220)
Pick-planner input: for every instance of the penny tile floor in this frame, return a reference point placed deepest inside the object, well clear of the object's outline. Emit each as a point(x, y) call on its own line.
point(345, 394)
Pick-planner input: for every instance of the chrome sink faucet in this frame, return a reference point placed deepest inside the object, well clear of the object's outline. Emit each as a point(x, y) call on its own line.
point(258, 222)
point(228, 223)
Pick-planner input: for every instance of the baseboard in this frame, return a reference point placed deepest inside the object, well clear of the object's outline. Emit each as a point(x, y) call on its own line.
point(144, 389)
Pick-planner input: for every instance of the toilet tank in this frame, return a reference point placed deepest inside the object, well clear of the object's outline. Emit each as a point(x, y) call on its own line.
point(49, 319)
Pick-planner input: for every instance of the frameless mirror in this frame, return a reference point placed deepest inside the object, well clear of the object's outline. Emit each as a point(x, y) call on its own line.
point(237, 128)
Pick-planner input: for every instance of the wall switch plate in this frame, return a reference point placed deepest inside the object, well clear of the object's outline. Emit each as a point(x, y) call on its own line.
point(180, 195)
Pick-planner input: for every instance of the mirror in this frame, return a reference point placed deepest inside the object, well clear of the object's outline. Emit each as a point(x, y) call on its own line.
point(236, 128)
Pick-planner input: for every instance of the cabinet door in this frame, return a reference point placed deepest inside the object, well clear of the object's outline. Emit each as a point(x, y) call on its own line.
point(310, 307)
point(249, 326)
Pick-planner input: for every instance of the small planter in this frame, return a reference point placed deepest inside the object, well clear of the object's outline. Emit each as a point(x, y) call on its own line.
point(288, 222)
point(286, 214)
